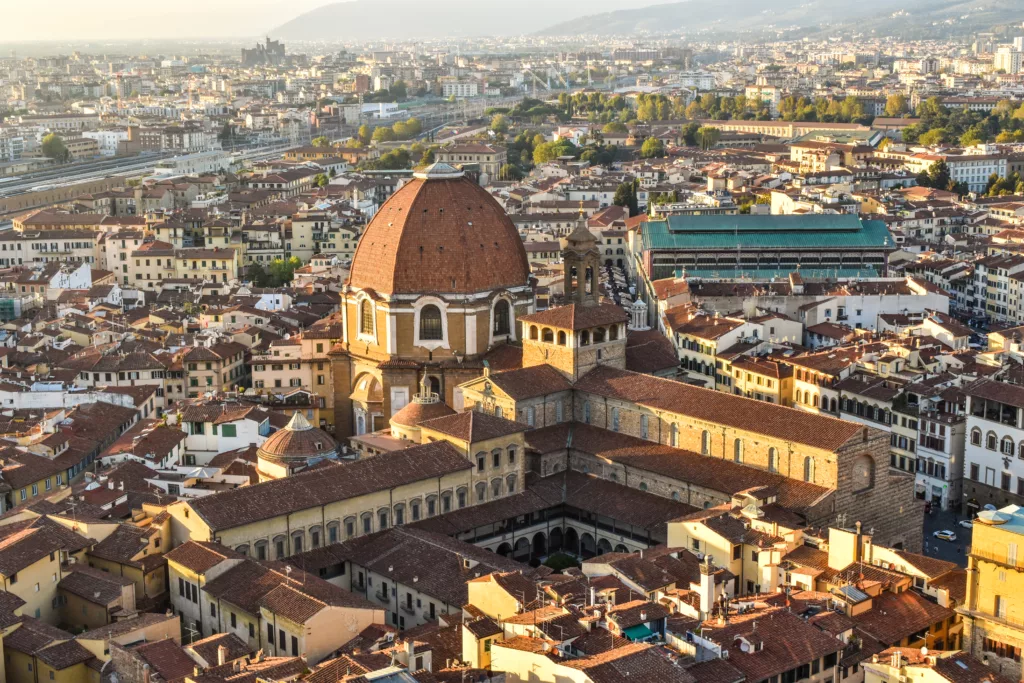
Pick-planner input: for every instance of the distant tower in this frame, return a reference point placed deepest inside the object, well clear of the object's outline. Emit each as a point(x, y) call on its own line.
point(581, 260)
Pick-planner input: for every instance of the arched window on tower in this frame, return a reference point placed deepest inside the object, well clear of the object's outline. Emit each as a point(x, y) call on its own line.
point(589, 284)
point(366, 317)
point(502, 318)
point(809, 469)
point(430, 323)
point(705, 442)
point(773, 459)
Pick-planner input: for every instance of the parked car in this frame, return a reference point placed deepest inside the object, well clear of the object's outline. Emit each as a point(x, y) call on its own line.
point(945, 535)
point(966, 523)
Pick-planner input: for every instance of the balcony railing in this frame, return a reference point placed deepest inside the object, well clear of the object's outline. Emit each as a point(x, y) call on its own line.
point(383, 597)
point(999, 557)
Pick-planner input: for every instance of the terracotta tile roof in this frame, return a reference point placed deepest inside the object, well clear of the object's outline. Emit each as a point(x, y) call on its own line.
point(64, 655)
point(787, 641)
point(93, 585)
point(440, 236)
point(472, 426)
point(207, 648)
point(296, 595)
point(719, 408)
point(894, 616)
point(686, 466)
point(201, 556)
point(33, 635)
point(963, 668)
point(576, 317)
point(955, 582)
point(24, 543)
point(537, 380)
point(268, 669)
point(932, 567)
point(166, 658)
point(434, 562)
point(124, 545)
point(633, 662)
point(649, 352)
point(415, 413)
point(311, 489)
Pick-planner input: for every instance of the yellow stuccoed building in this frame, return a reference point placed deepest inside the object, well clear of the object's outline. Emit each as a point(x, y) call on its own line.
point(994, 610)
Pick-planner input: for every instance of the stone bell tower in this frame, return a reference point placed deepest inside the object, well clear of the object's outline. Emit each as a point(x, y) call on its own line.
point(580, 261)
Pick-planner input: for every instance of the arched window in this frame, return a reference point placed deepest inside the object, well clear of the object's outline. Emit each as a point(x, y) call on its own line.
point(675, 436)
point(990, 441)
point(586, 412)
point(814, 401)
point(799, 396)
point(976, 436)
point(643, 486)
point(705, 442)
point(737, 450)
point(430, 323)
point(615, 419)
point(644, 429)
point(533, 332)
point(585, 338)
point(1007, 446)
point(461, 497)
point(510, 483)
point(496, 488)
point(502, 318)
point(773, 460)
point(481, 492)
point(613, 333)
point(547, 335)
point(366, 317)
point(561, 338)
point(1020, 452)
point(675, 496)
point(809, 469)
point(599, 335)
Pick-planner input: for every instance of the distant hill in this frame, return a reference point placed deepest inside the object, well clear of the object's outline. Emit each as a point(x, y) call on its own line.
point(407, 19)
point(885, 17)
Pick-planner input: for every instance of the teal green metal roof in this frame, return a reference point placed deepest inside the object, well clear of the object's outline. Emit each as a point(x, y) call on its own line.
point(765, 274)
point(806, 231)
point(639, 632)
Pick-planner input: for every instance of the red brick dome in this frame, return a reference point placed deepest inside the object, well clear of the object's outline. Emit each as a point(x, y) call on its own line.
point(441, 233)
point(298, 441)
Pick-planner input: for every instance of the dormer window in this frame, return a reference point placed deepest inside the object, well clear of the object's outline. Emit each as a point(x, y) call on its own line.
point(319, 446)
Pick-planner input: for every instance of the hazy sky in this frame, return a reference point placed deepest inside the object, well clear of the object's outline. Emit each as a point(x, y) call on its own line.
point(78, 20)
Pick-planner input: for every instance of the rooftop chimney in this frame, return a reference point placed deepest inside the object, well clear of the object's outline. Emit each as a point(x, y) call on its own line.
point(707, 587)
point(222, 655)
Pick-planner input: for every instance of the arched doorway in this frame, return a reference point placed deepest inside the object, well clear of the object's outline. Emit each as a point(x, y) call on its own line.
point(505, 550)
point(555, 540)
point(435, 385)
point(621, 549)
point(540, 545)
point(572, 541)
point(522, 550)
point(588, 547)
point(603, 546)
